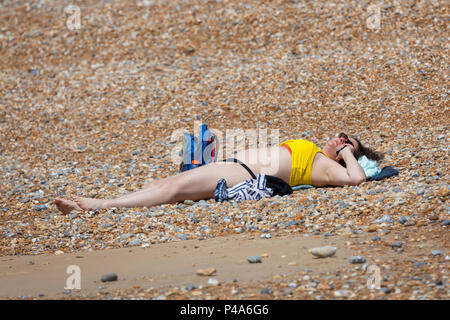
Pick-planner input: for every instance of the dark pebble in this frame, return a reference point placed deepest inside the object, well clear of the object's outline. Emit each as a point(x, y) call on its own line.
point(445, 223)
point(438, 282)
point(404, 219)
point(109, 277)
point(292, 223)
point(357, 259)
point(376, 238)
point(396, 244)
point(33, 72)
point(40, 207)
point(266, 291)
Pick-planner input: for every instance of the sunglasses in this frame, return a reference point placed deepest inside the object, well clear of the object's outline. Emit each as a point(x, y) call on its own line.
point(347, 140)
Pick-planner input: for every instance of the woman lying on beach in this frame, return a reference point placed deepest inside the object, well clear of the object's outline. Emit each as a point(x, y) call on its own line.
point(297, 162)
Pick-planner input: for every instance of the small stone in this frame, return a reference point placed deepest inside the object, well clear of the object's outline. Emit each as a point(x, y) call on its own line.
point(403, 219)
point(438, 282)
point(254, 259)
point(59, 252)
point(373, 228)
point(266, 291)
point(287, 292)
point(213, 282)
point(66, 291)
point(189, 202)
point(445, 223)
point(396, 244)
point(206, 272)
point(292, 263)
point(357, 259)
point(436, 252)
point(343, 294)
point(125, 236)
point(384, 290)
point(323, 252)
point(109, 277)
point(40, 207)
point(385, 219)
point(135, 242)
point(181, 236)
point(266, 236)
point(376, 238)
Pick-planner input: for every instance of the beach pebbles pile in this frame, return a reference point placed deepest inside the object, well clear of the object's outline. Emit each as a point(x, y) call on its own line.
point(95, 107)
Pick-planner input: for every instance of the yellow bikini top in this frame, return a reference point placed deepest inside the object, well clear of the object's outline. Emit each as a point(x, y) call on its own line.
point(302, 154)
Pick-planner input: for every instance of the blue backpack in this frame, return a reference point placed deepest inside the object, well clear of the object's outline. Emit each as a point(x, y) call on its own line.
point(198, 151)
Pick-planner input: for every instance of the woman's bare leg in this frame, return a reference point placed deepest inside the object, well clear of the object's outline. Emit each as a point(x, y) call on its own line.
point(66, 206)
point(195, 184)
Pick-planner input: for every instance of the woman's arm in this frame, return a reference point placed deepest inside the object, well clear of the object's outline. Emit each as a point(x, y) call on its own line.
point(354, 170)
point(353, 175)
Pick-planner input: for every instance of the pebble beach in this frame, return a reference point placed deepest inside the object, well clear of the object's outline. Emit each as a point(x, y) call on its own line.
point(90, 105)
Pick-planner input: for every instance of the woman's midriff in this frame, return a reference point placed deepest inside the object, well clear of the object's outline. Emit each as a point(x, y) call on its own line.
point(274, 161)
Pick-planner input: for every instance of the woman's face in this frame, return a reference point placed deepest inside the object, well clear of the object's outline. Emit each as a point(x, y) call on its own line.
point(339, 141)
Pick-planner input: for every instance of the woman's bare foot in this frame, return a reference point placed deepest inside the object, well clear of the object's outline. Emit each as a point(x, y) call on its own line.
point(66, 206)
point(88, 203)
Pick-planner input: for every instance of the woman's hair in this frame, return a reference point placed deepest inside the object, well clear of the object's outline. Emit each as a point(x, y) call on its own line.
point(369, 153)
point(364, 151)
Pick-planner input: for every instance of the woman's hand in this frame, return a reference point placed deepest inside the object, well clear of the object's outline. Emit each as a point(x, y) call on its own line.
point(348, 148)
